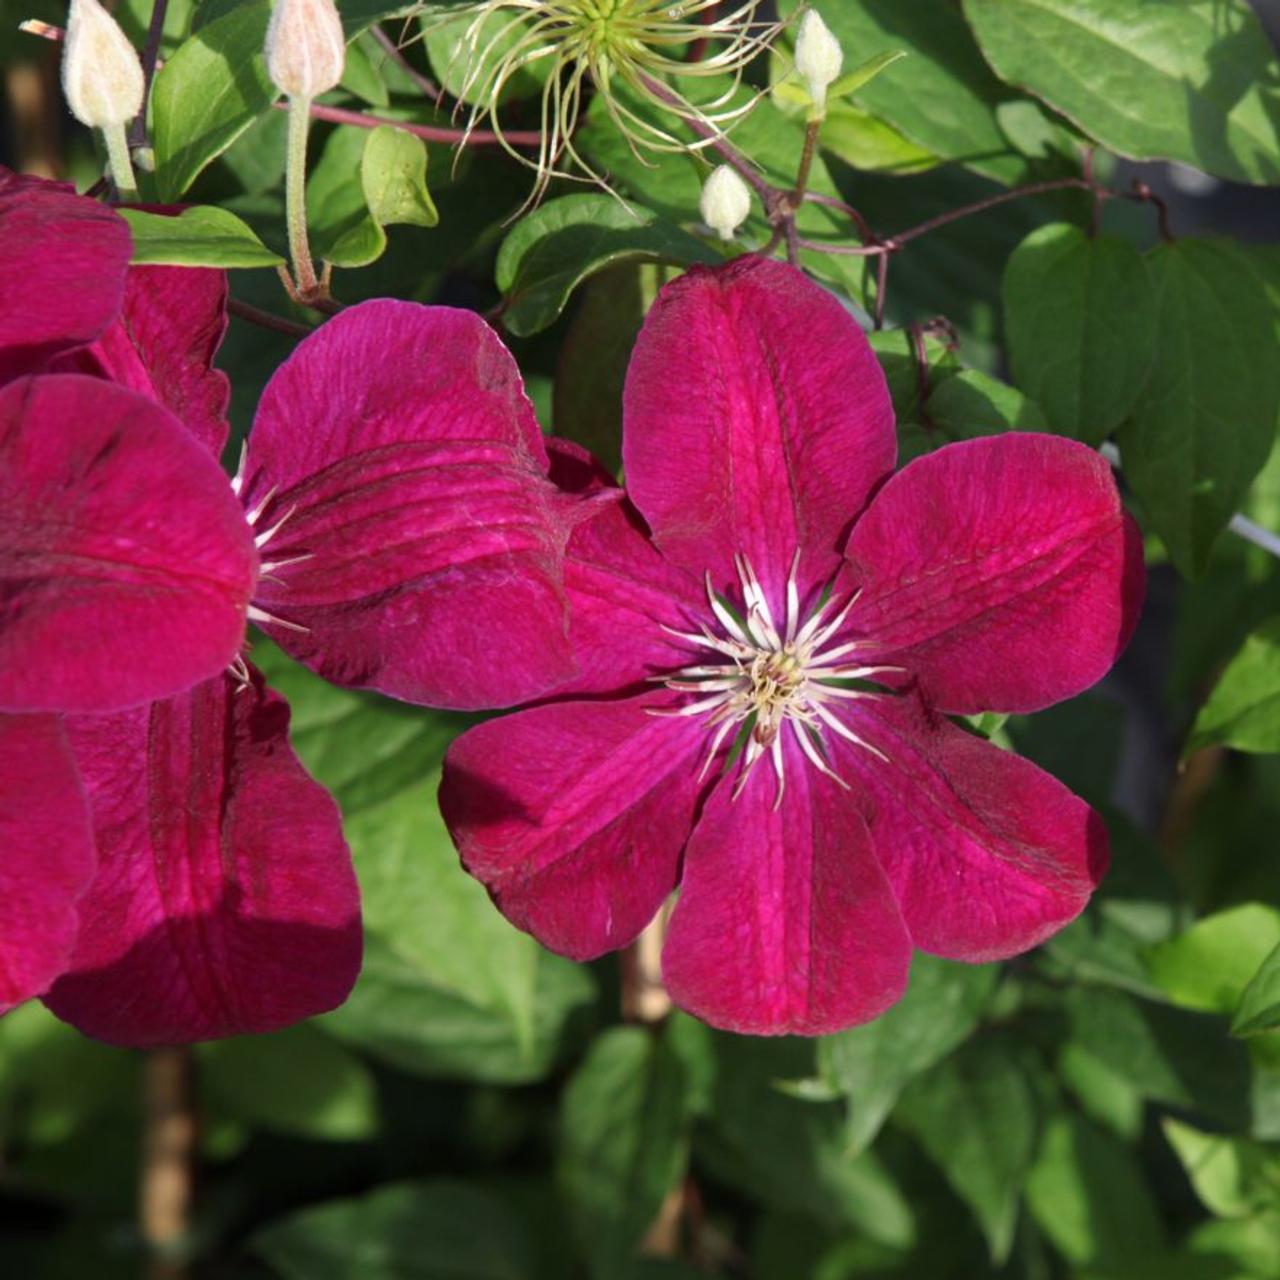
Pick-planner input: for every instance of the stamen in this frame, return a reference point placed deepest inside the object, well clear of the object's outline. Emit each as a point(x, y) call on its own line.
point(262, 616)
point(255, 514)
point(262, 539)
point(771, 679)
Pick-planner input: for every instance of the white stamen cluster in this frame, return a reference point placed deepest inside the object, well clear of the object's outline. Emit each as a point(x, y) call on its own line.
point(773, 676)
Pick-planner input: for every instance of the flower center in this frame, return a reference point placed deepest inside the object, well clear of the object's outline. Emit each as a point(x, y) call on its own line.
point(767, 677)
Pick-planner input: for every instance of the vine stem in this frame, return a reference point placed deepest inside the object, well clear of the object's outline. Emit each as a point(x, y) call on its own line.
point(427, 132)
point(265, 319)
point(295, 196)
point(118, 158)
point(150, 57)
point(170, 1137)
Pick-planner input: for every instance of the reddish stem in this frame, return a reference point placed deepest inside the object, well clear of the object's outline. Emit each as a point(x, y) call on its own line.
point(429, 132)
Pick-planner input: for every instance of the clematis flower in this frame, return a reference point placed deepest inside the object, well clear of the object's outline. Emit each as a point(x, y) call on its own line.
point(223, 900)
point(771, 631)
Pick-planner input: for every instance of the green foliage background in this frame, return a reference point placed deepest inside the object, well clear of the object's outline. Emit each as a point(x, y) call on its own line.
point(1106, 1108)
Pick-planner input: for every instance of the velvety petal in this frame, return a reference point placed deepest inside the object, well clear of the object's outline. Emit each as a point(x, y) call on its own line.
point(785, 921)
point(225, 903)
point(988, 854)
point(622, 593)
point(1002, 572)
point(162, 345)
point(757, 420)
point(399, 449)
point(126, 565)
point(63, 260)
point(46, 855)
point(574, 815)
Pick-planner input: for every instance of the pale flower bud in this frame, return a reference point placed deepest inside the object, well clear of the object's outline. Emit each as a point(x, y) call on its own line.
point(725, 202)
point(101, 71)
point(818, 56)
point(306, 49)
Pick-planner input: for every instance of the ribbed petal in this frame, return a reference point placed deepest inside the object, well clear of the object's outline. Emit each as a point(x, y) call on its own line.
point(225, 902)
point(399, 449)
point(46, 855)
point(574, 815)
point(162, 345)
point(126, 565)
point(622, 594)
point(1002, 572)
point(785, 922)
point(757, 421)
point(988, 854)
point(63, 259)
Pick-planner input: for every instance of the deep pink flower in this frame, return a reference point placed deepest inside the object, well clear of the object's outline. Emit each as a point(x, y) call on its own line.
point(724, 600)
point(224, 900)
point(46, 855)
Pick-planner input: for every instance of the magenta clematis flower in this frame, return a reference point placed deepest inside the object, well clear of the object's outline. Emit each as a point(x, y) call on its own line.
point(770, 632)
point(223, 899)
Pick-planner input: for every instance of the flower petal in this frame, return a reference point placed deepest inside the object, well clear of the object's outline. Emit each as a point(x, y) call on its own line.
point(126, 565)
point(170, 327)
point(757, 421)
point(225, 903)
point(397, 446)
point(988, 854)
point(1002, 572)
point(785, 922)
point(63, 259)
point(622, 593)
point(574, 816)
point(47, 860)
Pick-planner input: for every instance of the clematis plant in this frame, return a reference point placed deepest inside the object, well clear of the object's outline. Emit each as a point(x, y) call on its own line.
point(771, 631)
point(223, 899)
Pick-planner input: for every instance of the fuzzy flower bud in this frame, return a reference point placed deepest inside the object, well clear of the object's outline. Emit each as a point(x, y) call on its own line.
point(101, 71)
point(725, 202)
point(306, 49)
point(819, 56)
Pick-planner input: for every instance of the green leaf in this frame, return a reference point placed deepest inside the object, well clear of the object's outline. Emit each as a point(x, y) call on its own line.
point(296, 1081)
point(623, 1142)
point(1206, 423)
point(595, 353)
point(424, 1230)
point(1232, 1176)
point(872, 1064)
point(896, 352)
point(975, 1114)
point(792, 1154)
point(973, 404)
point(1209, 966)
point(461, 74)
point(393, 173)
point(1243, 711)
point(1080, 313)
point(346, 218)
point(942, 96)
point(209, 93)
point(1169, 1055)
point(201, 236)
point(552, 250)
point(1194, 81)
point(1260, 1005)
point(448, 988)
point(1087, 1194)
